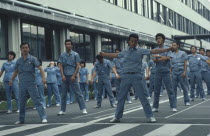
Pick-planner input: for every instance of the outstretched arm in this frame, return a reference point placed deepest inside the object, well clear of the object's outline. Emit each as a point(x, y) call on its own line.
point(110, 55)
point(157, 51)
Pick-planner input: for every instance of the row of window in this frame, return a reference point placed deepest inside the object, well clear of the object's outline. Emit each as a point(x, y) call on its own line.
point(44, 41)
point(198, 7)
point(158, 12)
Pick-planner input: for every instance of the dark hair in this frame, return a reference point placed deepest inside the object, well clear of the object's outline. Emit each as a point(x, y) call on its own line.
point(99, 57)
point(24, 43)
point(11, 53)
point(192, 47)
point(54, 65)
point(160, 35)
point(68, 40)
point(117, 50)
point(83, 62)
point(202, 49)
point(58, 63)
point(207, 51)
point(177, 43)
point(40, 61)
point(134, 36)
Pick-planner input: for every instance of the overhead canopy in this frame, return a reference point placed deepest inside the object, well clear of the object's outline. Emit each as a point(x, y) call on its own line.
point(188, 37)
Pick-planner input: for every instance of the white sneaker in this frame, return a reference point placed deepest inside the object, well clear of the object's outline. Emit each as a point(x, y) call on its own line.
point(187, 104)
point(154, 110)
point(9, 111)
point(86, 100)
point(61, 113)
point(113, 106)
point(84, 111)
point(17, 111)
point(129, 102)
point(44, 121)
point(116, 102)
point(149, 98)
point(57, 105)
point(203, 99)
point(34, 108)
point(174, 109)
point(44, 107)
point(152, 119)
point(114, 120)
point(134, 98)
point(18, 122)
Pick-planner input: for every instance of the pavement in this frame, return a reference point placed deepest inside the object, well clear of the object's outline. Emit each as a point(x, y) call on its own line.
point(191, 120)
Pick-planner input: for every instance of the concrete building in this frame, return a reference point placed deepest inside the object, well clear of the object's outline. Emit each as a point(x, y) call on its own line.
point(97, 25)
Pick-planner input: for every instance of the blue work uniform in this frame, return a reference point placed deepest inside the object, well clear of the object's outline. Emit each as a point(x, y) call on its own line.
point(163, 74)
point(52, 84)
point(195, 74)
point(103, 71)
point(205, 74)
point(83, 76)
point(9, 68)
point(27, 83)
point(118, 63)
point(95, 84)
point(69, 64)
point(40, 86)
point(152, 66)
point(177, 62)
point(132, 76)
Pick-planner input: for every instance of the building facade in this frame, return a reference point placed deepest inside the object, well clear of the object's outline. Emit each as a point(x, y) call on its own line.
point(97, 25)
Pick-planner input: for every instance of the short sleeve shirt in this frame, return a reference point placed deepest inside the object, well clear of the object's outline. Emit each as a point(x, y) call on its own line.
point(26, 68)
point(69, 62)
point(133, 59)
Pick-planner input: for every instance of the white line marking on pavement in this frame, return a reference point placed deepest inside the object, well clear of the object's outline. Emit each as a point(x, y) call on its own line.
point(2, 126)
point(168, 130)
point(113, 130)
point(100, 119)
point(59, 130)
point(102, 111)
point(185, 109)
point(113, 113)
point(21, 128)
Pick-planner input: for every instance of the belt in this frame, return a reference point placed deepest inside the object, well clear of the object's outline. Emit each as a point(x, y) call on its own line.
point(131, 73)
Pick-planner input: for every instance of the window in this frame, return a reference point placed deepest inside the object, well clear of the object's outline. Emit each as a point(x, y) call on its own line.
point(139, 6)
point(109, 44)
point(44, 41)
point(3, 38)
point(84, 45)
point(171, 18)
point(164, 14)
point(120, 3)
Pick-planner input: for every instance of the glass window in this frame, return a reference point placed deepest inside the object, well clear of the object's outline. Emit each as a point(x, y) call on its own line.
point(155, 12)
point(120, 3)
point(109, 44)
point(151, 10)
point(164, 14)
point(44, 41)
point(84, 44)
point(158, 13)
point(171, 18)
point(3, 38)
point(139, 3)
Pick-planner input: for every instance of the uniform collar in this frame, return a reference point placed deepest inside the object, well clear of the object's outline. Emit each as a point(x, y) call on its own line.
point(134, 48)
point(28, 57)
point(70, 53)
